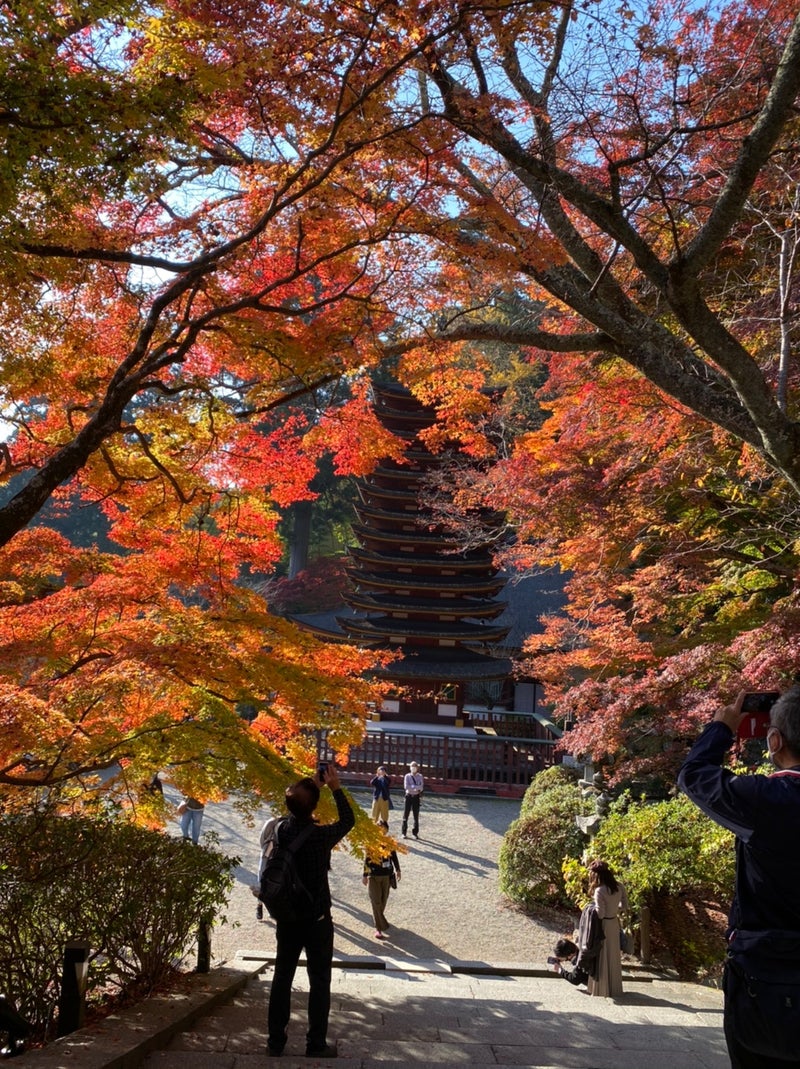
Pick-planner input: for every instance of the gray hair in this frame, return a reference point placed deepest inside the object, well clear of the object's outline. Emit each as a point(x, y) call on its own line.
point(785, 716)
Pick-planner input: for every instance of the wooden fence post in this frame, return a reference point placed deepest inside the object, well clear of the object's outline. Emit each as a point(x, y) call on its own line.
point(644, 934)
point(72, 1000)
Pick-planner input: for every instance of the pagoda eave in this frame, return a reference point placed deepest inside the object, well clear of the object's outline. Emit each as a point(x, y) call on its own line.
point(457, 585)
point(448, 564)
point(439, 607)
point(410, 668)
point(413, 539)
point(441, 631)
point(408, 517)
point(384, 493)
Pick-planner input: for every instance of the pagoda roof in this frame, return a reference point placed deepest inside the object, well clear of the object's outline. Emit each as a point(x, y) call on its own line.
point(372, 512)
point(407, 473)
point(439, 665)
point(391, 390)
point(422, 518)
point(463, 607)
point(529, 597)
point(451, 562)
point(419, 456)
point(384, 627)
point(434, 663)
point(390, 415)
point(365, 487)
point(417, 537)
point(394, 393)
point(456, 584)
point(406, 428)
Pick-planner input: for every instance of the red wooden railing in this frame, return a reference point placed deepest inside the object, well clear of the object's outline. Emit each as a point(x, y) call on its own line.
point(450, 763)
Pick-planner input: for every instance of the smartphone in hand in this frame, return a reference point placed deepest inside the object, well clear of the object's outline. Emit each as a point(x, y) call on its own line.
point(756, 708)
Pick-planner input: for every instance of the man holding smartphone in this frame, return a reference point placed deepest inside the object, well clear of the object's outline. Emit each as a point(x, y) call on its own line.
point(762, 970)
point(315, 936)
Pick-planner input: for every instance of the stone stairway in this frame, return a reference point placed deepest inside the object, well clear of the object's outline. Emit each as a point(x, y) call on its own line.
point(411, 1013)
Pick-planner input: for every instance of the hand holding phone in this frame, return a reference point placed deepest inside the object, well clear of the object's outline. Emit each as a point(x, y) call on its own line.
point(328, 773)
point(756, 708)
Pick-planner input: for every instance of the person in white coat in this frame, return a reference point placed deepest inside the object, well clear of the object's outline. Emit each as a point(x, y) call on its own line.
point(609, 899)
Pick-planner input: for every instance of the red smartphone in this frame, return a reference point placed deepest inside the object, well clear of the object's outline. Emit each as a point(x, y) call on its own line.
point(756, 707)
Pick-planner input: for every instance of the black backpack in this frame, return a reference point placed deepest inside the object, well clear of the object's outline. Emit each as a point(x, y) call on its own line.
point(282, 891)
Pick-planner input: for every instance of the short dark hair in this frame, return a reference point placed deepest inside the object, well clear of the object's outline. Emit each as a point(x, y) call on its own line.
point(302, 797)
point(565, 949)
point(785, 716)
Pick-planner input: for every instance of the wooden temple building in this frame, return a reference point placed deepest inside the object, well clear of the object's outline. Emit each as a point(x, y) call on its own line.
point(413, 588)
point(454, 704)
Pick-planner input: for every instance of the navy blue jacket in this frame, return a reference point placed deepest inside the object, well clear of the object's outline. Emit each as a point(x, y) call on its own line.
point(763, 812)
point(380, 787)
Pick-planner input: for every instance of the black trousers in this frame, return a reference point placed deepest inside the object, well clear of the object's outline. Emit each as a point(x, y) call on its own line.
point(317, 941)
point(411, 806)
point(746, 1059)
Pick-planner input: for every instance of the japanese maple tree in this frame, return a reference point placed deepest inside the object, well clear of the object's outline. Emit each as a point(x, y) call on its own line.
point(604, 162)
point(186, 250)
point(209, 211)
point(631, 174)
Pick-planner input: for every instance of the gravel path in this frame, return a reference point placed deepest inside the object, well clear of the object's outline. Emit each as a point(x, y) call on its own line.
point(447, 907)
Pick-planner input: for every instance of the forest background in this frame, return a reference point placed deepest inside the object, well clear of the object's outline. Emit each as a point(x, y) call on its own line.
point(220, 219)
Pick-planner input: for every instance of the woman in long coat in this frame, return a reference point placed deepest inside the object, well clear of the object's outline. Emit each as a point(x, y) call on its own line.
point(609, 900)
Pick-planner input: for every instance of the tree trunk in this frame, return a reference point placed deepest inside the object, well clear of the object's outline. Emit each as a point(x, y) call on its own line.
point(300, 538)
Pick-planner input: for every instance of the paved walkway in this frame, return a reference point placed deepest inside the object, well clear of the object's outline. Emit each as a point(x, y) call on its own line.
point(404, 1018)
point(462, 981)
point(447, 906)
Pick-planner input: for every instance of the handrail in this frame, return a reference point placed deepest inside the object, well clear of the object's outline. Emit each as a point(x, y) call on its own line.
point(503, 763)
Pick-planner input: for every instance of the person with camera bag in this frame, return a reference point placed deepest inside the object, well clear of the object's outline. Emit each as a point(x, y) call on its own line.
point(762, 969)
point(380, 874)
point(315, 933)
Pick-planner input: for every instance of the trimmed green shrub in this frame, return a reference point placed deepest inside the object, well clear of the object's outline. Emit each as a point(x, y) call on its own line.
point(661, 848)
point(136, 896)
point(535, 845)
point(546, 780)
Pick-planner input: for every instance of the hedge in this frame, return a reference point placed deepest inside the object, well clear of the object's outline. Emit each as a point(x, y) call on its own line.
point(136, 896)
point(535, 845)
point(661, 848)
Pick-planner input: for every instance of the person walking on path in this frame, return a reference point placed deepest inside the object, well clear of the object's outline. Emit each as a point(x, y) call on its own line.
point(377, 879)
point(381, 798)
point(191, 812)
point(609, 898)
point(312, 861)
point(413, 784)
point(762, 971)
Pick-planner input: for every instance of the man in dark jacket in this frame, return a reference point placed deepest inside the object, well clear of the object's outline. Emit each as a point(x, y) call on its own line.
point(312, 862)
point(762, 972)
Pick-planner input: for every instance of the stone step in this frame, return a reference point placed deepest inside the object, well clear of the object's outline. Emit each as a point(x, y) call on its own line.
point(393, 1018)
